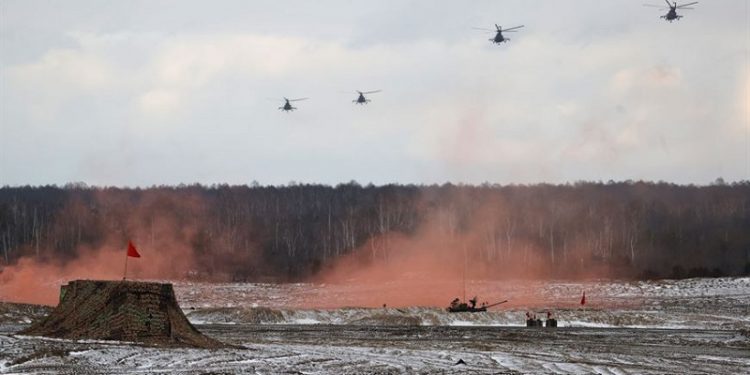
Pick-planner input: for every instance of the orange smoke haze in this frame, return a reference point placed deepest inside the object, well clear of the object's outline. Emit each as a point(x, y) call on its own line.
point(426, 270)
point(30, 281)
point(431, 267)
point(428, 267)
point(162, 241)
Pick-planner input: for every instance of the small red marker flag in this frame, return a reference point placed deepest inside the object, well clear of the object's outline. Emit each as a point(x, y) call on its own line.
point(132, 252)
point(583, 299)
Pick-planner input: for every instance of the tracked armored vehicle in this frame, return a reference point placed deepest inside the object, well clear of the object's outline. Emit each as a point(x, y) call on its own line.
point(458, 306)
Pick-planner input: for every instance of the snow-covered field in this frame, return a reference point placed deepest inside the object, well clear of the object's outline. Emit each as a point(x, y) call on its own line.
point(687, 326)
point(721, 303)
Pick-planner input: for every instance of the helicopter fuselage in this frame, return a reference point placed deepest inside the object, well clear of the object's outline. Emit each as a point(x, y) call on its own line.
point(361, 99)
point(671, 16)
point(287, 107)
point(499, 38)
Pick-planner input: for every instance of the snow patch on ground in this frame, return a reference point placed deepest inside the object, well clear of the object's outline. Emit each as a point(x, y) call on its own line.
point(702, 325)
point(717, 303)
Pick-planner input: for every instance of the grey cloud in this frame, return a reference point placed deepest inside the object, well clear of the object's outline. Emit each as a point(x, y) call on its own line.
point(167, 92)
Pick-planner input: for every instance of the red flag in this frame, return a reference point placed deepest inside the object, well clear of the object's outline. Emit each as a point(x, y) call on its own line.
point(583, 299)
point(132, 252)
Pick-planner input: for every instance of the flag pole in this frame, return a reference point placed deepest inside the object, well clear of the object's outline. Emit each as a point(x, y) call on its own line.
point(125, 273)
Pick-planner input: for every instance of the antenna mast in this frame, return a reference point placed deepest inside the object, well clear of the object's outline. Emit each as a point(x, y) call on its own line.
point(464, 274)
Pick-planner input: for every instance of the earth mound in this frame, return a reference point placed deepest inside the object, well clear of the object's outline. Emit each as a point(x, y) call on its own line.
point(142, 312)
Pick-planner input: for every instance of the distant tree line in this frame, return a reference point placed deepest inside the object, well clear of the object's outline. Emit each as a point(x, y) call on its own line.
point(631, 229)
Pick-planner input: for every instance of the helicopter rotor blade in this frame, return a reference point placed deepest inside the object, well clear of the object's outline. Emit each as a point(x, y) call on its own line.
point(686, 5)
point(661, 7)
point(483, 29)
point(296, 100)
point(668, 3)
point(370, 92)
point(513, 28)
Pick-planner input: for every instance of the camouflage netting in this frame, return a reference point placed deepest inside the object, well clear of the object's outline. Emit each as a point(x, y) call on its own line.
point(120, 310)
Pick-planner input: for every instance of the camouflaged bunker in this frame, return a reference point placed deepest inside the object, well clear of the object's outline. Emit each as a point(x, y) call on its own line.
point(142, 312)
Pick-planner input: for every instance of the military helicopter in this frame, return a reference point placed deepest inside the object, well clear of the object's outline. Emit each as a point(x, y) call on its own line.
point(287, 107)
point(499, 38)
point(361, 99)
point(672, 14)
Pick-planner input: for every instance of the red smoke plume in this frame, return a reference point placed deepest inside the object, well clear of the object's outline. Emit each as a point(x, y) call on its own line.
point(163, 241)
point(442, 261)
point(30, 281)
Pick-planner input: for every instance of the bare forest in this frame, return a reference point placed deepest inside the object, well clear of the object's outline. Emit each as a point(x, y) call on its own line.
point(299, 232)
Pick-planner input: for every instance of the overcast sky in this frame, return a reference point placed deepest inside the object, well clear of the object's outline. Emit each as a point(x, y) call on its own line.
point(165, 92)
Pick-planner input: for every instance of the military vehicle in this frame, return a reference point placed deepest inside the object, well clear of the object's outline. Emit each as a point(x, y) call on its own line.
point(458, 306)
point(499, 38)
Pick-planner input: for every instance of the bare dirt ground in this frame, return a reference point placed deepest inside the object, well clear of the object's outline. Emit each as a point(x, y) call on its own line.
point(695, 326)
point(322, 349)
